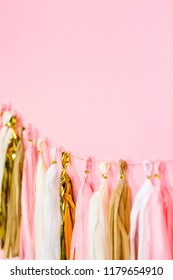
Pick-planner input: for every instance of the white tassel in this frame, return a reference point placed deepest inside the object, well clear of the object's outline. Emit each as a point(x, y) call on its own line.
point(51, 240)
point(98, 219)
point(138, 216)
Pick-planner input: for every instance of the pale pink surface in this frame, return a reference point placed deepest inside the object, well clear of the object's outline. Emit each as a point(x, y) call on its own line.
point(94, 76)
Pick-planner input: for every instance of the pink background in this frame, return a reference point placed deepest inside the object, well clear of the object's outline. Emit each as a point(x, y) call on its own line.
point(94, 76)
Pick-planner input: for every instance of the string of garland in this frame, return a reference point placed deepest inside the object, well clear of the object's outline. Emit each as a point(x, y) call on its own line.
point(9, 107)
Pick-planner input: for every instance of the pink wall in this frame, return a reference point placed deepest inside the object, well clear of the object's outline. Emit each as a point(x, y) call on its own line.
point(94, 76)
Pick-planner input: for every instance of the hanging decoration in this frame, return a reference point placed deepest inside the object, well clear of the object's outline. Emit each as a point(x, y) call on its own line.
point(9, 142)
point(79, 246)
point(139, 237)
point(119, 217)
point(12, 236)
point(39, 218)
point(27, 251)
point(52, 222)
point(67, 209)
point(98, 218)
point(39, 201)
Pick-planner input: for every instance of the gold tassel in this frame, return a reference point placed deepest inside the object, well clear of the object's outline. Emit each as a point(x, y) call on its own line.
point(7, 179)
point(119, 217)
point(12, 237)
point(67, 208)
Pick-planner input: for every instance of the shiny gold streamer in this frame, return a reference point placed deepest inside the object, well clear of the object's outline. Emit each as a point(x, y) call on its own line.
point(12, 237)
point(7, 179)
point(67, 206)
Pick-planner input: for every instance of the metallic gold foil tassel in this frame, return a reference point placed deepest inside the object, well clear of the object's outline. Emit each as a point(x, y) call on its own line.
point(7, 179)
point(67, 208)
